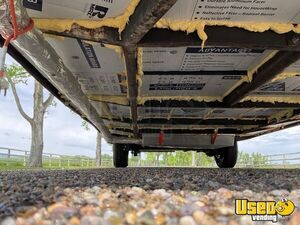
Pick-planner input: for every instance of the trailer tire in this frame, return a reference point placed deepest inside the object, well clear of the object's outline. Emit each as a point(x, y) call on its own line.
point(120, 155)
point(227, 157)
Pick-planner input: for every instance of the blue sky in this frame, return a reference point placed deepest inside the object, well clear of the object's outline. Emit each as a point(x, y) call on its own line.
point(63, 133)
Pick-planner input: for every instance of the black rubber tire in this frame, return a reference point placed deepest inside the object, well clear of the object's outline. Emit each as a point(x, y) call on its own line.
point(120, 155)
point(227, 157)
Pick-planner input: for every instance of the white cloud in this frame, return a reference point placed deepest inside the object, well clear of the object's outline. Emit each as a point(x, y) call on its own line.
point(279, 142)
point(63, 133)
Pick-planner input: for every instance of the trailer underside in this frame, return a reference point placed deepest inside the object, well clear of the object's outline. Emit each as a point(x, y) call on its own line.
point(165, 73)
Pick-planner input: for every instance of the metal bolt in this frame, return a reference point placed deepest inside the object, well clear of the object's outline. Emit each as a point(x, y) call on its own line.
point(295, 39)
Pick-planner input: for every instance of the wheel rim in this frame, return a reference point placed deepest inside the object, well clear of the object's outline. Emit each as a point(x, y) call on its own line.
point(219, 159)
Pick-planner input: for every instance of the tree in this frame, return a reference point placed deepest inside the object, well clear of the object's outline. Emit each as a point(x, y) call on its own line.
point(98, 149)
point(98, 143)
point(15, 75)
point(135, 160)
point(151, 157)
point(204, 160)
point(258, 159)
point(255, 159)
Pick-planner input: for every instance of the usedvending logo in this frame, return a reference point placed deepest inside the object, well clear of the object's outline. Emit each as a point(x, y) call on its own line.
point(264, 210)
point(97, 10)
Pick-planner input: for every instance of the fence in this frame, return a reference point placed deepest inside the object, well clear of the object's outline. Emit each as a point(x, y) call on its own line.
point(11, 157)
point(287, 160)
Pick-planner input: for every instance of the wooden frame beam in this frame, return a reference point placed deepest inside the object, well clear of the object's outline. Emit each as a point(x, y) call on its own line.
point(265, 73)
point(197, 121)
point(145, 16)
point(131, 68)
point(218, 36)
point(106, 35)
point(223, 36)
point(216, 104)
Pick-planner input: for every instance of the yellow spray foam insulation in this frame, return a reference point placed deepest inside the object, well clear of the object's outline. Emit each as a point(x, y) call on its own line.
point(90, 42)
point(188, 26)
point(140, 71)
point(244, 79)
point(285, 75)
point(117, 49)
point(192, 127)
point(123, 74)
point(109, 126)
point(273, 99)
point(61, 25)
point(250, 72)
point(199, 25)
point(170, 114)
point(249, 127)
point(207, 115)
point(281, 114)
point(297, 28)
point(105, 110)
point(254, 69)
point(109, 99)
point(120, 53)
point(142, 100)
point(123, 83)
point(243, 113)
point(194, 117)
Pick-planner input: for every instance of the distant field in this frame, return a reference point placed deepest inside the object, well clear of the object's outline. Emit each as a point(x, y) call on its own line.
point(55, 164)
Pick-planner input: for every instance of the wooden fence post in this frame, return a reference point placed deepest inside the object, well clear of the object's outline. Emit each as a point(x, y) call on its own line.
point(50, 160)
point(24, 160)
point(8, 156)
point(193, 159)
point(140, 159)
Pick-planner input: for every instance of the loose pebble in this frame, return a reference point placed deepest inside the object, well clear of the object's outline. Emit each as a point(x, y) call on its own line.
point(187, 220)
point(8, 221)
point(141, 196)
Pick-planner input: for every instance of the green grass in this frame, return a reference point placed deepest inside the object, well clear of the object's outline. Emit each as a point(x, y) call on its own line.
point(16, 163)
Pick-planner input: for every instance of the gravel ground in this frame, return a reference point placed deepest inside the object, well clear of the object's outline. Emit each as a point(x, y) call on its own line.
point(141, 196)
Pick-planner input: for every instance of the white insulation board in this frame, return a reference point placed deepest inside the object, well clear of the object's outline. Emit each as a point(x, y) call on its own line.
point(294, 68)
point(287, 11)
point(289, 86)
point(187, 85)
point(76, 9)
point(196, 58)
point(242, 113)
point(117, 111)
point(206, 113)
point(261, 113)
point(164, 112)
point(190, 112)
point(97, 68)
